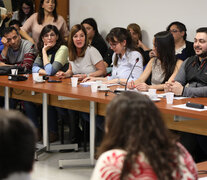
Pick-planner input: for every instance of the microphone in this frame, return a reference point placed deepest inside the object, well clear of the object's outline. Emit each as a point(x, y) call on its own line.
point(137, 60)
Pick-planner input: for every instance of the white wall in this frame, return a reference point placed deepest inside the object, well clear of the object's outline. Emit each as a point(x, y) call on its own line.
point(152, 15)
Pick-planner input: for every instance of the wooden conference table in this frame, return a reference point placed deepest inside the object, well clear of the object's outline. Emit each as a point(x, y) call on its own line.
point(51, 94)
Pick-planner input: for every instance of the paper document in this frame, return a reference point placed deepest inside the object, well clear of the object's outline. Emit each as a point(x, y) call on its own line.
point(183, 106)
point(2, 12)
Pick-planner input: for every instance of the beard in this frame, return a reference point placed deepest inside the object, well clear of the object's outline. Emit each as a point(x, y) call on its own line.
point(202, 55)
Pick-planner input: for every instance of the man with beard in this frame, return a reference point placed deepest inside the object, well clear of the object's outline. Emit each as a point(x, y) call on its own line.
point(191, 81)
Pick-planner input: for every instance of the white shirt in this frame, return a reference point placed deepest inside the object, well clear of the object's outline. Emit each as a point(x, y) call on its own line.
point(86, 64)
point(125, 65)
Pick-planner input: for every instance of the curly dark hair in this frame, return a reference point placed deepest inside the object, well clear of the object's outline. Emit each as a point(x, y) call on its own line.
point(44, 31)
point(165, 46)
point(134, 124)
point(21, 14)
point(41, 14)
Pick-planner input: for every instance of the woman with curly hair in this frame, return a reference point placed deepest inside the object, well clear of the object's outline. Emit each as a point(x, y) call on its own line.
point(137, 144)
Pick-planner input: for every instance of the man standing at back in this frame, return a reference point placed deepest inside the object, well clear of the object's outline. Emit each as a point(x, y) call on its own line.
point(16, 51)
point(191, 81)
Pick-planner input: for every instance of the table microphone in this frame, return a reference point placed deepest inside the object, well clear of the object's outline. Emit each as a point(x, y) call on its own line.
point(137, 60)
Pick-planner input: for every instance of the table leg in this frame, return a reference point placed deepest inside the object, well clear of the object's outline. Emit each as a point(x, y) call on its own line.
point(91, 160)
point(6, 98)
point(45, 121)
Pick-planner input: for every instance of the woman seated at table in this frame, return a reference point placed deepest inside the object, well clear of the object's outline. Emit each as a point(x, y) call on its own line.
point(84, 60)
point(163, 67)
point(124, 57)
point(137, 144)
point(53, 56)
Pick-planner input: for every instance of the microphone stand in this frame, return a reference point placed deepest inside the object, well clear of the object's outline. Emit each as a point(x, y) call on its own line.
point(137, 60)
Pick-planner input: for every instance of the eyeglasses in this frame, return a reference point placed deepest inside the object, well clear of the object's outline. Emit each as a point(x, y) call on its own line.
point(114, 44)
point(174, 31)
point(52, 35)
point(26, 8)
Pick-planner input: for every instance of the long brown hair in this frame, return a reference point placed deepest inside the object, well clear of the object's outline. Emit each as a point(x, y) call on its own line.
point(120, 34)
point(71, 46)
point(41, 14)
point(134, 124)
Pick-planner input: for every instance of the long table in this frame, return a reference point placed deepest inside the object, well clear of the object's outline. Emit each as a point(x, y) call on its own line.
point(84, 100)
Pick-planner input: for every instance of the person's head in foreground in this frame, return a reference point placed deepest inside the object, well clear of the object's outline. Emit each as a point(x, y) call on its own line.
point(17, 139)
point(135, 127)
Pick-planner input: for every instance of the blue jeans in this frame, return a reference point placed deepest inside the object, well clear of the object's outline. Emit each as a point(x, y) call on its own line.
point(34, 111)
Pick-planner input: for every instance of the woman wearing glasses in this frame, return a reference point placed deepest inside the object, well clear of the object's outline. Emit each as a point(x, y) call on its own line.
point(25, 11)
point(183, 48)
point(52, 57)
point(124, 58)
point(53, 54)
point(163, 67)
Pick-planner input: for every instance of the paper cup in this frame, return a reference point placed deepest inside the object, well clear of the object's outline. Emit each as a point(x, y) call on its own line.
point(103, 87)
point(35, 76)
point(169, 97)
point(74, 81)
point(152, 93)
point(94, 87)
point(14, 71)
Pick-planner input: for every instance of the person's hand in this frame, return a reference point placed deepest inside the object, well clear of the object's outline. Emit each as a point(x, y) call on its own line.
point(152, 54)
point(131, 85)
point(142, 87)
point(176, 87)
point(89, 79)
point(80, 76)
point(5, 42)
point(9, 15)
point(46, 47)
point(3, 16)
point(167, 87)
point(60, 74)
point(113, 81)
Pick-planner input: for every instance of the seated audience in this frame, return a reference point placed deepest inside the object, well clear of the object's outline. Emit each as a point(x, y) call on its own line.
point(94, 37)
point(16, 51)
point(124, 57)
point(15, 23)
point(5, 16)
point(46, 14)
point(84, 60)
point(163, 67)
point(52, 57)
point(136, 34)
point(191, 81)
point(17, 137)
point(53, 54)
point(138, 145)
point(25, 11)
point(183, 48)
